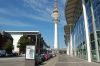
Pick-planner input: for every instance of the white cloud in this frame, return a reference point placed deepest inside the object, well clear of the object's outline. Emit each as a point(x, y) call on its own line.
point(9, 22)
point(21, 14)
point(14, 24)
point(42, 11)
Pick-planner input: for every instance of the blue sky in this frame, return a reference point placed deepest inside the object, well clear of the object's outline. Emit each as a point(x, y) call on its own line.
point(31, 15)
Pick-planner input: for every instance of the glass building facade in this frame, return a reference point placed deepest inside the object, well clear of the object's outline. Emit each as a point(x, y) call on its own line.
point(79, 39)
point(78, 32)
point(96, 7)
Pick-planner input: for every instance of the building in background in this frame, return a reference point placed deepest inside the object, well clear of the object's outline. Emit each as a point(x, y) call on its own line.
point(34, 37)
point(82, 32)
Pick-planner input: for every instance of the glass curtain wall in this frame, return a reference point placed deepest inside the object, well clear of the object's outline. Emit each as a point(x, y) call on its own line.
point(92, 40)
point(79, 39)
point(79, 42)
point(96, 7)
point(98, 34)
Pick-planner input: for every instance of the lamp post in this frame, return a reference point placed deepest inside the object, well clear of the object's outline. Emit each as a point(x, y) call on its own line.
point(29, 38)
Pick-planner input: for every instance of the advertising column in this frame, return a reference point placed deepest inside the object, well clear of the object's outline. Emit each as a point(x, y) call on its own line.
point(30, 55)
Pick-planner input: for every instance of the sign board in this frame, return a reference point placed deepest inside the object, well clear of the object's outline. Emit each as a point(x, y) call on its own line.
point(30, 52)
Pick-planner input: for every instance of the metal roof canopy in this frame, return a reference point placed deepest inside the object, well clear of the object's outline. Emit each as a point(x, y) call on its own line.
point(72, 12)
point(67, 29)
point(24, 32)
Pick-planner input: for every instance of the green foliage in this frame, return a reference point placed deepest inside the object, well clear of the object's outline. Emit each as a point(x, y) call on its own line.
point(8, 46)
point(23, 41)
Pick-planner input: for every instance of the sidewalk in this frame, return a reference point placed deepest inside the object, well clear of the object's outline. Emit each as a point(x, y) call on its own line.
point(50, 62)
point(65, 60)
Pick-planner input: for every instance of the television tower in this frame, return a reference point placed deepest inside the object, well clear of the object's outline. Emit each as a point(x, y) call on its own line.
point(56, 20)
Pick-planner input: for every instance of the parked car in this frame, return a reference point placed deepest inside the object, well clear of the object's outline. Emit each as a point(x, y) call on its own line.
point(46, 56)
point(15, 54)
point(9, 54)
point(53, 54)
point(2, 53)
point(43, 57)
point(38, 59)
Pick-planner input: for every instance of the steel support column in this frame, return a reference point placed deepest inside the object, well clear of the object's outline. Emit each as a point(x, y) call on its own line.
point(74, 46)
point(71, 46)
point(87, 31)
point(94, 30)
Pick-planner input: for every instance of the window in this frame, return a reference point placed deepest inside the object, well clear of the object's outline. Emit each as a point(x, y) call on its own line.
point(98, 34)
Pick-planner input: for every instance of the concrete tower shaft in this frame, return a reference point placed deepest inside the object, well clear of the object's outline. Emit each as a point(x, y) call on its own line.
point(56, 20)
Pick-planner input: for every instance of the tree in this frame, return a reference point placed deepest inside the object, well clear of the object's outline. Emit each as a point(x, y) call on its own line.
point(8, 46)
point(23, 41)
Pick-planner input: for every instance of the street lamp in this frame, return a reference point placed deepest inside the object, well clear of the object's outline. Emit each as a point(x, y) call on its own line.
point(29, 38)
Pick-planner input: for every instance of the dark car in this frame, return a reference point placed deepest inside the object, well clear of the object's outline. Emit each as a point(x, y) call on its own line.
point(2, 53)
point(43, 57)
point(38, 59)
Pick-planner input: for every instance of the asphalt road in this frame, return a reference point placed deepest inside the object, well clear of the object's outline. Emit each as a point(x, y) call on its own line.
point(60, 60)
point(12, 61)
